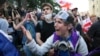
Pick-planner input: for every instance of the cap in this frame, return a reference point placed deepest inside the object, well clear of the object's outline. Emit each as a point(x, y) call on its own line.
point(65, 16)
point(62, 15)
point(47, 4)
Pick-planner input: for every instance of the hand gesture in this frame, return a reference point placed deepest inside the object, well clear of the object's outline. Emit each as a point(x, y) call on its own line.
point(32, 14)
point(27, 34)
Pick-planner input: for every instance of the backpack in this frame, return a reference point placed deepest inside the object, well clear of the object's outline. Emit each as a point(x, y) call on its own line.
point(6, 47)
point(74, 38)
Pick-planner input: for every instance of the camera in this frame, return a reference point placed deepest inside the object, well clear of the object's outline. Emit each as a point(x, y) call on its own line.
point(63, 46)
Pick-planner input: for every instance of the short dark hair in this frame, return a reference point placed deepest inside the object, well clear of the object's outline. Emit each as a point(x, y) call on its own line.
point(74, 9)
point(2, 2)
point(47, 4)
point(69, 20)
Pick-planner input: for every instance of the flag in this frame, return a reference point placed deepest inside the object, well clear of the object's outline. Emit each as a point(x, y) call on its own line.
point(65, 4)
point(80, 4)
point(86, 24)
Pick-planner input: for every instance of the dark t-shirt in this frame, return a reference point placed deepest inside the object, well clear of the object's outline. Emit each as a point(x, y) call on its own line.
point(94, 32)
point(78, 27)
point(46, 29)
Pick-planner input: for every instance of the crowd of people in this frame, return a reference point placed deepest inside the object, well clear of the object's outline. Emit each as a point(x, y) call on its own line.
point(46, 33)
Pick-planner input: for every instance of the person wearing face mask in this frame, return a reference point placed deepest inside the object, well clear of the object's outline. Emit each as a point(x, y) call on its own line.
point(45, 27)
point(48, 18)
point(73, 44)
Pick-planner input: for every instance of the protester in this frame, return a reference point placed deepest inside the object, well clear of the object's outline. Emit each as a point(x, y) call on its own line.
point(45, 27)
point(64, 32)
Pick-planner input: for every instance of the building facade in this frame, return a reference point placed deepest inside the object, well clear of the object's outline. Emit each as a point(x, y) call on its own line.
point(94, 7)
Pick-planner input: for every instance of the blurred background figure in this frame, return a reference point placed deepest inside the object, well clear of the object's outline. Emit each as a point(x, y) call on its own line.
point(6, 47)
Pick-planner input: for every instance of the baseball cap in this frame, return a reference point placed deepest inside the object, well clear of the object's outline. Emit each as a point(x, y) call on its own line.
point(62, 15)
point(65, 16)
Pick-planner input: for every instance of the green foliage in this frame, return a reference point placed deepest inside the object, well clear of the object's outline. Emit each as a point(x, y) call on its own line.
point(36, 3)
point(32, 3)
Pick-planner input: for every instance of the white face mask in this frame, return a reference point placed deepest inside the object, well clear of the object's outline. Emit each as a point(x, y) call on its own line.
point(48, 16)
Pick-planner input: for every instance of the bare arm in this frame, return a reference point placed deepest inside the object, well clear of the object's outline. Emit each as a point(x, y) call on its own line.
point(27, 33)
point(21, 23)
point(18, 25)
point(38, 38)
point(35, 48)
point(13, 14)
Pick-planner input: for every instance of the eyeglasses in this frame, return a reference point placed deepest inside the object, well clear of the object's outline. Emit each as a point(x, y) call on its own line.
point(46, 9)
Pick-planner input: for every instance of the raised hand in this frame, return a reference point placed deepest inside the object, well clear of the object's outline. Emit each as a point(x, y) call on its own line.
point(27, 34)
point(33, 18)
point(32, 14)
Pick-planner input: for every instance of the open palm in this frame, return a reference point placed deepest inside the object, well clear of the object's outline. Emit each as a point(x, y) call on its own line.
point(27, 34)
